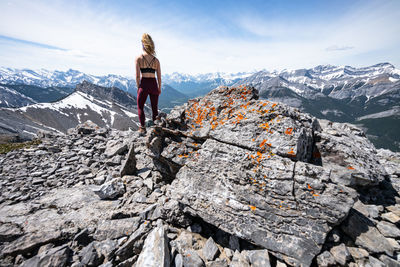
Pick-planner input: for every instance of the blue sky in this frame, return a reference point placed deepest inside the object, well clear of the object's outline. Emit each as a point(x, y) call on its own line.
point(102, 37)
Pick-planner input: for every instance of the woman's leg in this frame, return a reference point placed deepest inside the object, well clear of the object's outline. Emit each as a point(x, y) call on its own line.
point(141, 99)
point(154, 105)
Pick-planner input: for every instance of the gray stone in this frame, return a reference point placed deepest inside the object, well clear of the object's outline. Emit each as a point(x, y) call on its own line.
point(183, 242)
point(228, 253)
point(217, 263)
point(364, 233)
point(115, 147)
point(155, 249)
point(391, 217)
point(113, 229)
point(388, 229)
point(210, 249)
point(87, 127)
point(358, 253)
point(129, 165)
point(9, 232)
point(106, 248)
point(341, 254)
point(134, 243)
point(111, 189)
point(178, 261)
point(99, 180)
point(203, 189)
point(389, 262)
point(374, 262)
point(149, 183)
point(239, 260)
point(192, 259)
point(57, 256)
point(259, 258)
point(89, 256)
point(393, 242)
point(326, 259)
point(114, 161)
point(30, 241)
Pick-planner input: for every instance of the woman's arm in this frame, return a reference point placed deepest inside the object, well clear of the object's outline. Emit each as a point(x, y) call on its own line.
point(137, 67)
point(159, 76)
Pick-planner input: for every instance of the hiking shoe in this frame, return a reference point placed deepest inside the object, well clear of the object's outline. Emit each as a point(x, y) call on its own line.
point(142, 131)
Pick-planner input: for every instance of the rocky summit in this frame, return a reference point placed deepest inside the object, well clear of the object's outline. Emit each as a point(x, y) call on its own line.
point(223, 180)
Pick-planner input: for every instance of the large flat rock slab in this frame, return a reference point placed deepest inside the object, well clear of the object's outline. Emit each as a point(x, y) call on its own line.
point(284, 206)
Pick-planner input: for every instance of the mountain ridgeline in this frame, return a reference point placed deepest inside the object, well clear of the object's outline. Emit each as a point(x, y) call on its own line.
point(367, 96)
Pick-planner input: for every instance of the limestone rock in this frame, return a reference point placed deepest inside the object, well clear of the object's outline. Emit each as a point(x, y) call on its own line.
point(57, 256)
point(113, 229)
point(388, 229)
point(115, 147)
point(358, 253)
point(341, 254)
point(210, 249)
point(87, 127)
point(326, 259)
point(129, 165)
point(155, 250)
point(389, 261)
point(111, 189)
point(192, 259)
point(259, 258)
point(391, 217)
point(134, 243)
point(364, 233)
point(277, 194)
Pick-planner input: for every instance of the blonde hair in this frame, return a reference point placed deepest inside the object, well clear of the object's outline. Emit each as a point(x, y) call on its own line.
point(148, 44)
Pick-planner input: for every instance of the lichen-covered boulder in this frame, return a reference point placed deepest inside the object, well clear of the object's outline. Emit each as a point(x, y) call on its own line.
point(266, 172)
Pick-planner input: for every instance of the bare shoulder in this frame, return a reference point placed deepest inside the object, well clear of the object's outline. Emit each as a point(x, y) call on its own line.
point(157, 61)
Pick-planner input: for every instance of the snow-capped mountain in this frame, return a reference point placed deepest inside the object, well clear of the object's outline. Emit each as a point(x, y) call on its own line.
point(200, 84)
point(337, 82)
point(70, 78)
point(107, 107)
point(12, 98)
point(184, 83)
point(368, 96)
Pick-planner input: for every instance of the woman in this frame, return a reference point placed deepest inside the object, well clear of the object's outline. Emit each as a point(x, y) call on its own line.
point(146, 67)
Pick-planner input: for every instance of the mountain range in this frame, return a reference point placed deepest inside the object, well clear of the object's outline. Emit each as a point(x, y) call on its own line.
point(106, 106)
point(366, 96)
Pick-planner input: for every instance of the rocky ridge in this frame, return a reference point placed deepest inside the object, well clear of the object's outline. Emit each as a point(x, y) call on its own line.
point(224, 180)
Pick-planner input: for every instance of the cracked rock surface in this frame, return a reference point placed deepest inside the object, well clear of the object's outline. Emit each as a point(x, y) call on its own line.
point(224, 180)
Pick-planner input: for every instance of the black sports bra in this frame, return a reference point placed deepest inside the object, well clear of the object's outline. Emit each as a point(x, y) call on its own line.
point(148, 69)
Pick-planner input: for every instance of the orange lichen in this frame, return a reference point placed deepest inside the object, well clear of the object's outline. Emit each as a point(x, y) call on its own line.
point(350, 168)
point(252, 208)
point(263, 143)
point(289, 131)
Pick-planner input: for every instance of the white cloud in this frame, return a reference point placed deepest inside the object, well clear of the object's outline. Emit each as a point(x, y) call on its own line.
point(338, 48)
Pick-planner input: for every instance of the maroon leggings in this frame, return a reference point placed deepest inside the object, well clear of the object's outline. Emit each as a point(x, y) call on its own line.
point(148, 86)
